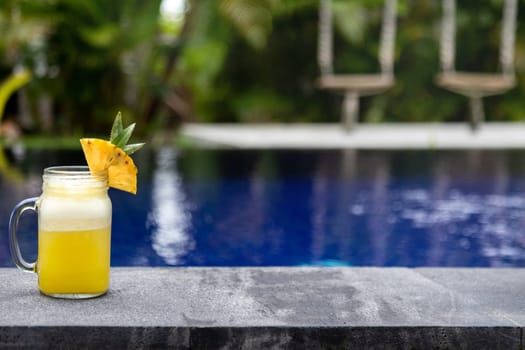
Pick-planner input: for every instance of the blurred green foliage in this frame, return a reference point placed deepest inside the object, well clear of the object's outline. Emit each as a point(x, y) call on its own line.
point(237, 61)
point(88, 56)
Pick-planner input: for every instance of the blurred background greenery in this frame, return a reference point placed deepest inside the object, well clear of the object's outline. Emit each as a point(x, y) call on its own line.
point(165, 62)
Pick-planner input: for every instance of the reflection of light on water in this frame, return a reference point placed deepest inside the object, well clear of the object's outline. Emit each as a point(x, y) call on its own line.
point(495, 220)
point(489, 223)
point(169, 218)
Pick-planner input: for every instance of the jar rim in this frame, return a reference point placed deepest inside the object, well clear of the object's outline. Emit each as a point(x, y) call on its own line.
point(73, 171)
point(74, 178)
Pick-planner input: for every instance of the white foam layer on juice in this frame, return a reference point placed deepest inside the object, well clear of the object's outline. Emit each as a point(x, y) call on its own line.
point(63, 213)
point(74, 184)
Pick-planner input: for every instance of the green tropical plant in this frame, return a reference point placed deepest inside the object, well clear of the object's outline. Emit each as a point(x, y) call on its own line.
point(7, 88)
point(10, 85)
point(237, 60)
point(90, 57)
point(106, 62)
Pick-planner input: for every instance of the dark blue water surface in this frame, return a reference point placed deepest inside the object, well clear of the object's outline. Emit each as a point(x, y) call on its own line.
point(294, 208)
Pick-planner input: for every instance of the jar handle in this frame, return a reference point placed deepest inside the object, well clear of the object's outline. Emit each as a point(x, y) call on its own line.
point(20, 262)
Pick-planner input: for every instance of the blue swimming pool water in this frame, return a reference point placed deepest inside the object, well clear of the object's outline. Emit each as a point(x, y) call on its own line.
point(294, 208)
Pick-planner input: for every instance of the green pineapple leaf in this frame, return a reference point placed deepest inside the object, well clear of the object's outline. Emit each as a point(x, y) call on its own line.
point(130, 149)
point(123, 138)
point(120, 136)
point(116, 129)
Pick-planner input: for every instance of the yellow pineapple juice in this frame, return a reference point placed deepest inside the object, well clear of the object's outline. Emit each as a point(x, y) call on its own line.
point(74, 235)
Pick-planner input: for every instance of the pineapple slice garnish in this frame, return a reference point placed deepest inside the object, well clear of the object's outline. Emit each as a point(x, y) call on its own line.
point(112, 157)
point(103, 156)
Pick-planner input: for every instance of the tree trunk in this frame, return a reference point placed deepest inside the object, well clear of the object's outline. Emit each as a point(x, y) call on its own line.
point(157, 100)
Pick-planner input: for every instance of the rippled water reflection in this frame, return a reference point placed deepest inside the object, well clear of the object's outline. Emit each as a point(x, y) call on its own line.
point(169, 219)
point(294, 208)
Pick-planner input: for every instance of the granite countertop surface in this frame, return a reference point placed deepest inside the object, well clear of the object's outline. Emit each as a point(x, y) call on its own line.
point(340, 299)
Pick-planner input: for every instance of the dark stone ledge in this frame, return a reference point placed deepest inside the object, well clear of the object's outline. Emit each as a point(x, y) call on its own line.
point(293, 308)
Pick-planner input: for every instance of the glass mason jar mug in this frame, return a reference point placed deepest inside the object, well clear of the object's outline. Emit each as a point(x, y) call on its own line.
point(74, 233)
